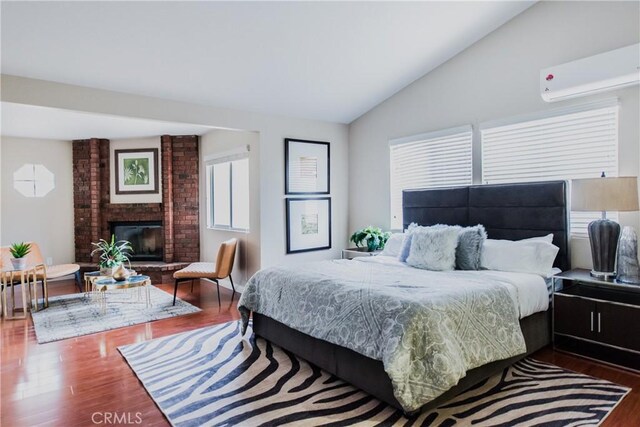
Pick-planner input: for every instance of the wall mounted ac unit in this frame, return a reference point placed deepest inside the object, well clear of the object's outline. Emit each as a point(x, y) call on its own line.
point(606, 71)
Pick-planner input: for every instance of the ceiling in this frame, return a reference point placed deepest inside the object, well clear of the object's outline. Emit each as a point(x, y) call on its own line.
point(329, 61)
point(28, 121)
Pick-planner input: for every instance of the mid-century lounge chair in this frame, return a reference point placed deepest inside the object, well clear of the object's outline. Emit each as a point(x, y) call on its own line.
point(221, 269)
point(44, 272)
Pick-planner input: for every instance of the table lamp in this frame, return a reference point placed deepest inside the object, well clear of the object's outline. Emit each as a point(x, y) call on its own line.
point(604, 194)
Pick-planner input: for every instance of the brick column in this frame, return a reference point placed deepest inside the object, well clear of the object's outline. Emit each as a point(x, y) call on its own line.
point(186, 198)
point(167, 195)
point(87, 191)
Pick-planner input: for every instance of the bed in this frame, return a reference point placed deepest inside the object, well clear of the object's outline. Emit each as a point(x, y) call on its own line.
point(511, 211)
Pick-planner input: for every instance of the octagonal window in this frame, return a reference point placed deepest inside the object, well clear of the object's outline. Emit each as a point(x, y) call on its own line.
point(33, 180)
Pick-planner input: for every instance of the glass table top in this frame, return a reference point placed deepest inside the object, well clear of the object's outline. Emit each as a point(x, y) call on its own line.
point(137, 280)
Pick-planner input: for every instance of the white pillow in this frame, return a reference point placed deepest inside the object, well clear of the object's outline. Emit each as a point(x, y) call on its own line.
point(393, 245)
point(530, 256)
point(434, 249)
point(548, 238)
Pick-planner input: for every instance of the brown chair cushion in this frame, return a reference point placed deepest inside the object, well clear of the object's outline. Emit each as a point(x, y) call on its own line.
point(197, 270)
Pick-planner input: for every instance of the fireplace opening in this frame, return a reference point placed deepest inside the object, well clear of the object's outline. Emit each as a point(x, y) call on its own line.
point(146, 238)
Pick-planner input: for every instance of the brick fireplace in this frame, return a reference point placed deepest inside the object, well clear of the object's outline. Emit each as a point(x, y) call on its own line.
point(178, 213)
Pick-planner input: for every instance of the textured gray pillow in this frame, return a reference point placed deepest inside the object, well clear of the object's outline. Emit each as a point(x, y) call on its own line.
point(434, 249)
point(469, 250)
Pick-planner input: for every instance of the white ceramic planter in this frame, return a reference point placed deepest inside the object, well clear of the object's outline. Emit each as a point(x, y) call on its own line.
point(19, 263)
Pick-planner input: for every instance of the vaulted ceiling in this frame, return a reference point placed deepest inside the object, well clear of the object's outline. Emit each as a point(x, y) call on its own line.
point(321, 60)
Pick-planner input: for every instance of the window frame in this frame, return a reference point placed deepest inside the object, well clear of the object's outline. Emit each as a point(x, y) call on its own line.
point(210, 163)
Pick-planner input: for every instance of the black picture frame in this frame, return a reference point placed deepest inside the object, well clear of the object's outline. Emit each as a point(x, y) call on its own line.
point(152, 153)
point(288, 203)
point(287, 164)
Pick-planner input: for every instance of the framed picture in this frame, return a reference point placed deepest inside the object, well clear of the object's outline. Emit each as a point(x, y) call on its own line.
point(308, 224)
point(136, 171)
point(306, 169)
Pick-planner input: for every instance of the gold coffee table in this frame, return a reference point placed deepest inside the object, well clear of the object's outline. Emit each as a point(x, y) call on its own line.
point(101, 285)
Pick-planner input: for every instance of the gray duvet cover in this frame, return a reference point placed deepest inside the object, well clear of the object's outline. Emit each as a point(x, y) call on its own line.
point(428, 328)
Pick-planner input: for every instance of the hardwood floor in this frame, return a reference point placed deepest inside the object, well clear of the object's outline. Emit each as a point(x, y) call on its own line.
point(69, 382)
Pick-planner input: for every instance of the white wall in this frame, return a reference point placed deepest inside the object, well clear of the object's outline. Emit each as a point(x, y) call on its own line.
point(47, 220)
point(248, 252)
point(496, 78)
point(272, 130)
point(124, 144)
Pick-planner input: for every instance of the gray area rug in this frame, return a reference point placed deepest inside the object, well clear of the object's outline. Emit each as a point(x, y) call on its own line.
point(214, 377)
point(75, 315)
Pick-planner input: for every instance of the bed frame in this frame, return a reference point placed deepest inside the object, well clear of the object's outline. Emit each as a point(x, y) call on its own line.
point(508, 211)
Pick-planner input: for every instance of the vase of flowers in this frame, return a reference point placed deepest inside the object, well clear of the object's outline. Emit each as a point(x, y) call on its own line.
point(373, 237)
point(19, 252)
point(112, 254)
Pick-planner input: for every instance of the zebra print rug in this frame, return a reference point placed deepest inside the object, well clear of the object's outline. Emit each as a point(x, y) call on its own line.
point(212, 377)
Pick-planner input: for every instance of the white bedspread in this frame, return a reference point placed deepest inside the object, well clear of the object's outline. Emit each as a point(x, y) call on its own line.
point(528, 291)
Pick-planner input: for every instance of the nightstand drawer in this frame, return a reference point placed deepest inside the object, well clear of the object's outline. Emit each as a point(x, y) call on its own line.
point(574, 316)
point(619, 325)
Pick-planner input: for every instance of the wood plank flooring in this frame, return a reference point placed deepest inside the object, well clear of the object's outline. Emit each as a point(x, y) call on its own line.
point(83, 381)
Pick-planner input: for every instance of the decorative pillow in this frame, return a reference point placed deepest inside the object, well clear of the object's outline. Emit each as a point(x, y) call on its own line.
point(405, 248)
point(530, 256)
point(469, 250)
point(393, 245)
point(412, 228)
point(406, 242)
point(434, 248)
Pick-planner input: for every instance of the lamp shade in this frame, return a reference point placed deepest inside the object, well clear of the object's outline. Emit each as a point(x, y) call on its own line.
point(605, 194)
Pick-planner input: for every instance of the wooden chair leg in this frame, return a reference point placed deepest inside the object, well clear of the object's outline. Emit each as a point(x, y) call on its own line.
point(232, 287)
point(192, 285)
point(175, 291)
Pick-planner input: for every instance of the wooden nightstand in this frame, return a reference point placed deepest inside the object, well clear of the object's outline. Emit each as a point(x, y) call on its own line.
point(352, 253)
point(597, 318)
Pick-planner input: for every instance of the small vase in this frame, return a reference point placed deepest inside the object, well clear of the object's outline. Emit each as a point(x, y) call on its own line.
point(628, 265)
point(120, 273)
point(19, 263)
point(372, 245)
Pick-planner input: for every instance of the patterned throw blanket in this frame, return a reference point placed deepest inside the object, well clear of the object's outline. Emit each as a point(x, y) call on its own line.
point(428, 328)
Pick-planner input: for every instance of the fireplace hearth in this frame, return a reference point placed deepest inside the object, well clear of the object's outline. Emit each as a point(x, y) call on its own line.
point(146, 238)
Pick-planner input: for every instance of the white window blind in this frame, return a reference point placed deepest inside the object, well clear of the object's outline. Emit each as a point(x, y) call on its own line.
point(228, 192)
point(570, 144)
point(436, 159)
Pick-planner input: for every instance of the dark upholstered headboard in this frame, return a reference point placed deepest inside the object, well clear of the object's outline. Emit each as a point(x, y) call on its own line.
point(507, 211)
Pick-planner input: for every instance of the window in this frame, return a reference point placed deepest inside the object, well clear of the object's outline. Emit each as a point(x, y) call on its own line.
point(436, 159)
point(228, 193)
point(571, 144)
point(33, 180)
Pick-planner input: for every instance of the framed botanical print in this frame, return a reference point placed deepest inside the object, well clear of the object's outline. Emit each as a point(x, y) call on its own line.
point(306, 167)
point(308, 224)
point(136, 171)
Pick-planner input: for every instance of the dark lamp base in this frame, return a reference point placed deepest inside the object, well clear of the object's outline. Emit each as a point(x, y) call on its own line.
point(603, 236)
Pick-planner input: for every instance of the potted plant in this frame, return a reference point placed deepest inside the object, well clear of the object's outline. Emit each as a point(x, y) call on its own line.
point(373, 237)
point(19, 252)
point(112, 254)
